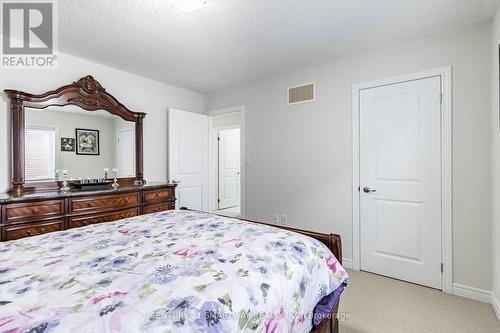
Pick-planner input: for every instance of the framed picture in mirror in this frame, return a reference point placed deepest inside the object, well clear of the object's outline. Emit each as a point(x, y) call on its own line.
point(87, 141)
point(68, 144)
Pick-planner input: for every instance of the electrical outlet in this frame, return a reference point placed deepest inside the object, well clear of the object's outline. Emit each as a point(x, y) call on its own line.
point(276, 219)
point(283, 219)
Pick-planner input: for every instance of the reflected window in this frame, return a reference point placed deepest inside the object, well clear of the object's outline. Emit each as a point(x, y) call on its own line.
point(40, 153)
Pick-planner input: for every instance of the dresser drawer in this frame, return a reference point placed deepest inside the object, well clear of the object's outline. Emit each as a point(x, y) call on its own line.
point(76, 222)
point(21, 212)
point(102, 203)
point(32, 229)
point(159, 207)
point(164, 194)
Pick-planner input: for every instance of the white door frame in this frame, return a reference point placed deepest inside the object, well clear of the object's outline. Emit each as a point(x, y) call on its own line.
point(446, 166)
point(241, 110)
point(216, 158)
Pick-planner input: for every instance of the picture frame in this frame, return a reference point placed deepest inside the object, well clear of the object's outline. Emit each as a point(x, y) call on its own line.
point(87, 141)
point(68, 144)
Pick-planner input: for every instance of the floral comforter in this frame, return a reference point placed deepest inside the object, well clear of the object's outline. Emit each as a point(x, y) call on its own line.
point(176, 271)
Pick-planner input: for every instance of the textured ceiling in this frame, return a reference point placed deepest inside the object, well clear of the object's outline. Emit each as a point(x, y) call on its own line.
point(229, 42)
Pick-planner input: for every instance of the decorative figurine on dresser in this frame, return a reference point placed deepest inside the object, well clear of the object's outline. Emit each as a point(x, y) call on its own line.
point(51, 184)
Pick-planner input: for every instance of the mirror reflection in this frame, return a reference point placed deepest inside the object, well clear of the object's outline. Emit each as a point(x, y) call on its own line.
point(83, 142)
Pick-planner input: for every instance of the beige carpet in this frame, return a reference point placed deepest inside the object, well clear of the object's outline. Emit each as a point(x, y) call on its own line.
point(229, 212)
point(372, 303)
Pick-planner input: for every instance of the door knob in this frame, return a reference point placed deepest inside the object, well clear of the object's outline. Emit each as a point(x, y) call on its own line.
point(366, 189)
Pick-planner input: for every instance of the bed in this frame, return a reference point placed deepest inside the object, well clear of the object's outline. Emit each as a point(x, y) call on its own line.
point(175, 271)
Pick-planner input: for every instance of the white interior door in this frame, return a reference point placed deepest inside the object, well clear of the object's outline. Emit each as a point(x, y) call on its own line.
point(400, 178)
point(229, 168)
point(188, 158)
point(125, 156)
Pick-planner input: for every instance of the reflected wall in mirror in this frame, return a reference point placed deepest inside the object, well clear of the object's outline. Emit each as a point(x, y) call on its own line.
point(52, 141)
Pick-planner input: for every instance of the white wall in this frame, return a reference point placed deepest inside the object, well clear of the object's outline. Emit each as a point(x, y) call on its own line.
point(137, 93)
point(300, 156)
point(495, 121)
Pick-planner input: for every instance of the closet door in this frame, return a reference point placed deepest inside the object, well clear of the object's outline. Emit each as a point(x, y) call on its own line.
point(400, 178)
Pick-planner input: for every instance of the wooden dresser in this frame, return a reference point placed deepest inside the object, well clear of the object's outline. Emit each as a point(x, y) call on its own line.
point(38, 213)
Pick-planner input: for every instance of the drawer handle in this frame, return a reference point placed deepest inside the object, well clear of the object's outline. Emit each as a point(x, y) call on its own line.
point(89, 222)
point(42, 230)
point(35, 211)
point(89, 204)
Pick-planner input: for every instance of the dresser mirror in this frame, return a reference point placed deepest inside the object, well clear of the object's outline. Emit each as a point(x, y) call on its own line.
point(86, 144)
point(79, 128)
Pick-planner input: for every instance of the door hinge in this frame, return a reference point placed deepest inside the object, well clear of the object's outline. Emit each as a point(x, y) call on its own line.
point(218, 200)
point(442, 267)
point(218, 138)
point(441, 98)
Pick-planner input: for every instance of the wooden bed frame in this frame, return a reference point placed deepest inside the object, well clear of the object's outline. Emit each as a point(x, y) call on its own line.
point(334, 243)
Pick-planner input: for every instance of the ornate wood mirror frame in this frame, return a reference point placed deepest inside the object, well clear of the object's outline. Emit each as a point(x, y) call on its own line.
point(86, 93)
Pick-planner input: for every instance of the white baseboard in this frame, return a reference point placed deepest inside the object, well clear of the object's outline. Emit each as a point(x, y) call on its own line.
point(347, 263)
point(496, 305)
point(476, 294)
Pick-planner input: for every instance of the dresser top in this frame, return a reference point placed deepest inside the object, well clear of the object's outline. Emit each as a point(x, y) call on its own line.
point(9, 197)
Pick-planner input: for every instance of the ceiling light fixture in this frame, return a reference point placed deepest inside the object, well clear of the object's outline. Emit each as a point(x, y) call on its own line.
point(188, 5)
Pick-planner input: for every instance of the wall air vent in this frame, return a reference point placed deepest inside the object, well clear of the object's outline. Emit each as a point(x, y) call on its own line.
point(301, 94)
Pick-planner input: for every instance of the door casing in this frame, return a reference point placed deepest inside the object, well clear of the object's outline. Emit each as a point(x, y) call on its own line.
point(243, 162)
point(446, 163)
